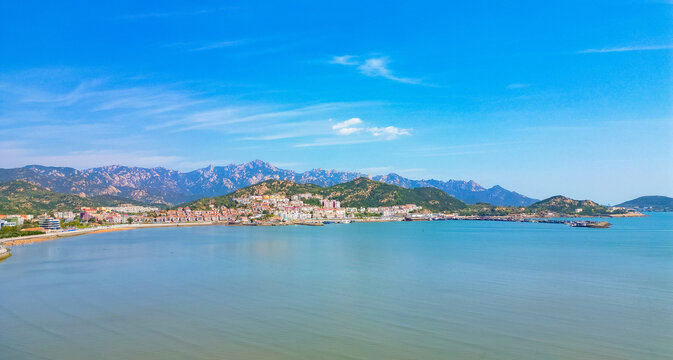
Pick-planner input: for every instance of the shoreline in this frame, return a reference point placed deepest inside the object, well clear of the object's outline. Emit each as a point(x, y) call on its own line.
point(30, 239)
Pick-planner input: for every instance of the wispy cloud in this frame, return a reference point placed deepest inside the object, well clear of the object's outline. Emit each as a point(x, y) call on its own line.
point(378, 67)
point(204, 45)
point(217, 45)
point(91, 96)
point(336, 141)
point(517, 86)
point(22, 153)
point(109, 111)
point(220, 118)
point(344, 60)
point(176, 13)
point(373, 67)
point(626, 49)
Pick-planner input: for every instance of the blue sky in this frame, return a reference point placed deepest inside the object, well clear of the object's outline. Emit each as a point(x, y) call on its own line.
point(544, 98)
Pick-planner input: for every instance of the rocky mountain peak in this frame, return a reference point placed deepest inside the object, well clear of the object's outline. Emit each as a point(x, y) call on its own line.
point(172, 187)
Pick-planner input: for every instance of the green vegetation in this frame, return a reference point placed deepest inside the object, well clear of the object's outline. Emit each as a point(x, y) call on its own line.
point(76, 224)
point(360, 192)
point(15, 231)
point(566, 206)
point(483, 209)
point(366, 215)
point(365, 193)
point(21, 197)
point(650, 203)
point(311, 202)
point(559, 205)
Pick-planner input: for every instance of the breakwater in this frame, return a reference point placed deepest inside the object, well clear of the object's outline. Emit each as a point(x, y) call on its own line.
point(572, 223)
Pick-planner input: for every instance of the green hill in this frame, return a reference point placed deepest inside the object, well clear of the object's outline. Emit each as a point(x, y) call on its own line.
point(567, 206)
point(21, 197)
point(650, 203)
point(360, 192)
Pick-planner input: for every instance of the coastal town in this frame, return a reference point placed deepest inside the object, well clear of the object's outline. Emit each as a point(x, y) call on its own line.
point(276, 209)
point(252, 210)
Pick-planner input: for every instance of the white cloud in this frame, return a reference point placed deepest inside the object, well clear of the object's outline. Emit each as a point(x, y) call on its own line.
point(346, 127)
point(345, 60)
point(388, 132)
point(626, 49)
point(349, 130)
point(373, 67)
point(347, 123)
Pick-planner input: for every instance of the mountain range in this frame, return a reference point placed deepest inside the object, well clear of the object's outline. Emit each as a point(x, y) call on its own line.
point(21, 197)
point(161, 185)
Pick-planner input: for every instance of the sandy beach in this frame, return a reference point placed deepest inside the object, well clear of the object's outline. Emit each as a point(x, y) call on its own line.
point(30, 239)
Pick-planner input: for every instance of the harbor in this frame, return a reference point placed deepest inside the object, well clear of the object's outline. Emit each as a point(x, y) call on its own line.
point(571, 223)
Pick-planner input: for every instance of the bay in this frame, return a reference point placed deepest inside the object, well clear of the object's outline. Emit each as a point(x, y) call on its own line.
point(420, 290)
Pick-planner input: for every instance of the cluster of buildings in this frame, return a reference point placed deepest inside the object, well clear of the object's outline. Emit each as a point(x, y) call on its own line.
point(44, 222)
point(121, 214)
point(303, 207)
point(272, 208)
point(113, 215)
point(276, 207)
point(14, 220)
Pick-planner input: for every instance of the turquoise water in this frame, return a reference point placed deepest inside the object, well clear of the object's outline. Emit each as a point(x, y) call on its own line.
point(421, 290)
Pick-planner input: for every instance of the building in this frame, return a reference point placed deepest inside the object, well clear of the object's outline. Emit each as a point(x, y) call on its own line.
point(67, 216)
point(132, 209)
point(330, 204)
point(49, 224)
point(4, 223)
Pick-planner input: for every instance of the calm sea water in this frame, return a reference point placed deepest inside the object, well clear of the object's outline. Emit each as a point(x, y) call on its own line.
point(422, 290)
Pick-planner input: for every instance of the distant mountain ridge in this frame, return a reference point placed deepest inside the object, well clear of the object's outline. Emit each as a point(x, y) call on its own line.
point(160, 185)
point(650, 203)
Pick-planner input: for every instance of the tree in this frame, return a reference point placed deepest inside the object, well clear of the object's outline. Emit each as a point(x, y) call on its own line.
point(129, 220)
